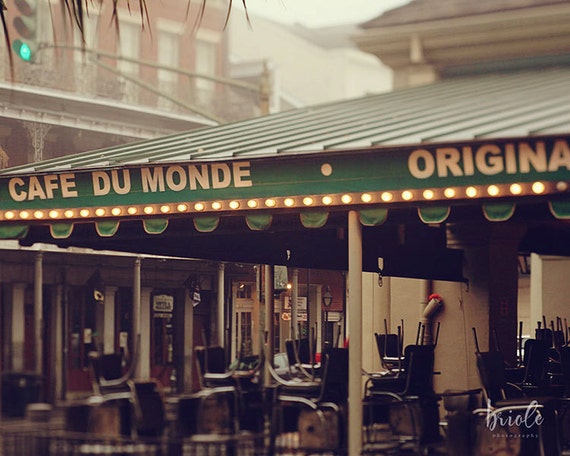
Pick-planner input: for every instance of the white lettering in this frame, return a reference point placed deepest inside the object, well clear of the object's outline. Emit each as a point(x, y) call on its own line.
point(529, 157)
point(560, 157)
point(221, 176)
point(242, 174)
point(152, 179)
point(448, 159)
point(35, 189)
point(510, 159)
point(175, 178)
point(50, 182)
point(427, 160)
point(13, 188)
point(468, 165)
point(488, 159)
point(101, 183)
point(126, 187)
point(68, 185)
point(200, 177)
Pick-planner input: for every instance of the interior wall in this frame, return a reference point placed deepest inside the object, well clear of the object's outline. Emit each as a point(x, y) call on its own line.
point(549, 288)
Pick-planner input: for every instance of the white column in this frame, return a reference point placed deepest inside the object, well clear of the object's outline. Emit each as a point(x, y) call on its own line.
point(18, 326)
point(221, 300)
point(38, 312)
point(137, 314)
point(269, 314)
point(189, 364)
point(145, 334)
point(59, 352)
point(294, 296)
point(354, 312)
point(109, 320)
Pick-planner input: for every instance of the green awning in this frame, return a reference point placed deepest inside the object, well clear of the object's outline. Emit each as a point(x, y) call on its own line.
point(498, 212)
point(560, 209)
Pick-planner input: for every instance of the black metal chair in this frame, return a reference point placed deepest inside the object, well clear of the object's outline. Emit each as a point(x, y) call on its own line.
point(522, 429)
point(149, 408)
point(108, 375)
point(390, 347)
point(504, 399)
point(213, 371)
point(313, 409)
point(407, 403)
point(300, 359)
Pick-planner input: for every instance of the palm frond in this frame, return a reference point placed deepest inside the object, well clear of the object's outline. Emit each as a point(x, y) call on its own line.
point(7, 38)
point(76, 10)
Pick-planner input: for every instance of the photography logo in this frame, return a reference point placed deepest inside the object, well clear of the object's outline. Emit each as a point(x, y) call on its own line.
point(520, 420)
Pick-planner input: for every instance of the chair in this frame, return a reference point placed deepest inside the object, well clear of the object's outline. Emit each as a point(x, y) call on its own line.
point(107, 372)
point(212, 367)
point(209, 411)
point(149, 408)
point(110, 415)
point(414, 378)
point(389, 349)
point(323, 399)
point(524, 429)
point(508, 399)
point(299, 358)
point(214, 374)
point(407, 403)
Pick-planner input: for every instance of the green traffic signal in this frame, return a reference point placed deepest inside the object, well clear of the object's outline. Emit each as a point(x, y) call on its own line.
point(25, 25)
point(23, 50)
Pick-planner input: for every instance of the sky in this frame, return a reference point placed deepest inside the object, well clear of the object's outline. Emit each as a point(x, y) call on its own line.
point(320, 13)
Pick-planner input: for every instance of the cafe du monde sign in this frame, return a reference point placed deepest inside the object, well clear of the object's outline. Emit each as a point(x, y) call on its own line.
point(375, 175)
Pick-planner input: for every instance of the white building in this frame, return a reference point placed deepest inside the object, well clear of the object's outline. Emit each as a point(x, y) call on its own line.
point(306, 66)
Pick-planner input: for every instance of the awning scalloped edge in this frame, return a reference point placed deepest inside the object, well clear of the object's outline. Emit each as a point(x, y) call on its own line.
point(13, 231)
point(61, 230)
point(373, 217)
point(560, 209)
point(258, 222)
point(498, 212)
point(314, 219)
point(107, 228)
point(206, 224)
point(434, 214)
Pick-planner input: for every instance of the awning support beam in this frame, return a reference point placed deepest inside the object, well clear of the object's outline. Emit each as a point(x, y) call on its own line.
point(355, 333)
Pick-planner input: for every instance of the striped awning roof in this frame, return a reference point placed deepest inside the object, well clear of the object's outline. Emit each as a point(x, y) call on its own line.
point(517, 104)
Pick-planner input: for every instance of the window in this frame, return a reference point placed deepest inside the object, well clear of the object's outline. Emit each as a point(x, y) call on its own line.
point(205, 65)
point(129, 47)
point(168, 55)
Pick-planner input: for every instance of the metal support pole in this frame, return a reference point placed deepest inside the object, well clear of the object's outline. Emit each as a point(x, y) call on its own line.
point(269, 313)
point(137, 313)
point(354, 333)
point(294, 296)
point(38, 312)
point(221, 300)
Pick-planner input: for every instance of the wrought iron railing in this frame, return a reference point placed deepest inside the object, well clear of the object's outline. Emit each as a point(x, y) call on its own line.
point(97, 75)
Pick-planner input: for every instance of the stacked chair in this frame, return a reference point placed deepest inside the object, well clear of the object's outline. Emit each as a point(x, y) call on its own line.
point(521, 417)
point(309, 411)
point(227, 414)
point(120, 412)
point(400, 407)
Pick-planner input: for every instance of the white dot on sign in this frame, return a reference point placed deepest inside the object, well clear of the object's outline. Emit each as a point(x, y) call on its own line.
point(326, 169)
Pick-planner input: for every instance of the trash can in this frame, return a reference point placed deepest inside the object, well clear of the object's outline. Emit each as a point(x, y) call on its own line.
point(18, 390)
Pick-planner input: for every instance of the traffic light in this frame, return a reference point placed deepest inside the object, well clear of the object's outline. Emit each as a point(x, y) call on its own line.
point(26, 24)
